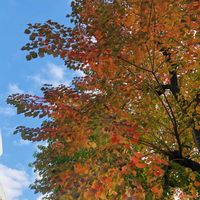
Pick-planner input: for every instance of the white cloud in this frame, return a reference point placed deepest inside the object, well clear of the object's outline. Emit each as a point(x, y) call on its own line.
point(40, 197)
point(51, 74)
point(79, 73)
point(38, 79)
point(14, 88)
point(13, 182)
point(55, 71)
point(55, 75)
point(7, 111)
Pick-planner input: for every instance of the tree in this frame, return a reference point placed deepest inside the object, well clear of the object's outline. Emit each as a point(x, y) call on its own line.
point(129, 128)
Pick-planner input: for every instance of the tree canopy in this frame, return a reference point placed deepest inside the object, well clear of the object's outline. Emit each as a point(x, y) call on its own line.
point(128, 128)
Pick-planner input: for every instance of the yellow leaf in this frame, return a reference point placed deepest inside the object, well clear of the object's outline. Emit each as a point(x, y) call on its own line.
point(93, 145)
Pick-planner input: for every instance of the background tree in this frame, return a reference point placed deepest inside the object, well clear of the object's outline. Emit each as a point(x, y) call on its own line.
point(129, 128)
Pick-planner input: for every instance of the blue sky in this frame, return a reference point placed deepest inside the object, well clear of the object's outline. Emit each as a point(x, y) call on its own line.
point(19, 75)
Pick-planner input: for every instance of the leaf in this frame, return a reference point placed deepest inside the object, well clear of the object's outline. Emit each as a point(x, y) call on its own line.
point(88, 195)
point(27, 31)
point(115, 139)
point(134, 173)
point(138, 155)
point(196, 183)
point(32, 36)
point(134, 160)
point(157, 190)
point(140, 165)
point(28, 57)
point(33, 54)
point(78, 168)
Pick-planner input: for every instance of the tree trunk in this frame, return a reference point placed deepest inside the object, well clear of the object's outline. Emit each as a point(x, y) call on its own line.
point(184, 161)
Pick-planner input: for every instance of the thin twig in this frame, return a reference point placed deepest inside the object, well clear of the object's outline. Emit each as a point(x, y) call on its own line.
point(149, 54)
point(163, 104)
point(136, 66)
point(155, 147)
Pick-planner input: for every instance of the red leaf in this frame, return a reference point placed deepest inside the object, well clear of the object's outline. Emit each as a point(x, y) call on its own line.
point(133, 128)
point(136, 137)
point(134, 160)
point(138, 155)
point(158, 171)
point(134, 141)
point(114, 139)
point(140, 165)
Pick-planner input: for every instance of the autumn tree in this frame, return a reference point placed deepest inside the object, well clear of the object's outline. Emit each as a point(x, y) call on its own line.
point(129, 128)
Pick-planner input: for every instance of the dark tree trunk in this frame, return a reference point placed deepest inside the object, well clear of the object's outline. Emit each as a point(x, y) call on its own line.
point(184, 161)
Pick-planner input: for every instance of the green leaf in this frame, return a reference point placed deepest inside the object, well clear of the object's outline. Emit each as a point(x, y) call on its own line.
point(33, 54)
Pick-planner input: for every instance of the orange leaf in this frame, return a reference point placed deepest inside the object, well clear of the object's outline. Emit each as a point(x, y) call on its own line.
point(79, 169)
point(157, 190)
point(134, 173)
point(196, 183)
point(88, 195)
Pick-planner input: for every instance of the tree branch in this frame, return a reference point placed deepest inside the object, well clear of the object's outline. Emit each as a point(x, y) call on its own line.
point(171, 114)
point(136, 66)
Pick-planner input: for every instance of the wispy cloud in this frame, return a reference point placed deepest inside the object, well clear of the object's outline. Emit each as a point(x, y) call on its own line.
point(51, 74)
point(55, 75)
point(78, 73)
point(55, 71)
point(21, 142)
point(13, 182)
point(7, 111)
point(14, 88)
